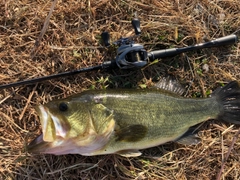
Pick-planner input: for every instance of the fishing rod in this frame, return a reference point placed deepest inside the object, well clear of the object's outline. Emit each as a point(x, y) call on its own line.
point(130, 55)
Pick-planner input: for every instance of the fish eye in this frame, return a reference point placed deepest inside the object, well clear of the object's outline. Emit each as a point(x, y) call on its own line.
point(63, 107)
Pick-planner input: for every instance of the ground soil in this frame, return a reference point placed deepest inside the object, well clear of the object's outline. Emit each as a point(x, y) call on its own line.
point(40, 38)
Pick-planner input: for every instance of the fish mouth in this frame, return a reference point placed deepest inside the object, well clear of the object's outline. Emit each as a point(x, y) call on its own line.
point(48, 127)
point(42, 141)
point(52, 125)
point(51, 129)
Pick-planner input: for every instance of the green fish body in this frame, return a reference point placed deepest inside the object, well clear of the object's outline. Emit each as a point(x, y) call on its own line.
point(124, 121)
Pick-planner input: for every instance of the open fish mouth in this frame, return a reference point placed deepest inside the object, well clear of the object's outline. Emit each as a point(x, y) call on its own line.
point(52, 126)
point(44, 118)
point(51, 130)
point(41, 142)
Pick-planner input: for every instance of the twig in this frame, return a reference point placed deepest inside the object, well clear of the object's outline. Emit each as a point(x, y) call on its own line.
point(44, 29)
point(28, 101)
point(89, 165)
point(4, 99)
point(228, 153)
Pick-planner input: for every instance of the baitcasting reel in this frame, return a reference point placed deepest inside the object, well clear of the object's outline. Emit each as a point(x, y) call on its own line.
point(129, 54)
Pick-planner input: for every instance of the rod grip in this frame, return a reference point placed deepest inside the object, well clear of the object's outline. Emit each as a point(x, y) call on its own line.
point(226, 40)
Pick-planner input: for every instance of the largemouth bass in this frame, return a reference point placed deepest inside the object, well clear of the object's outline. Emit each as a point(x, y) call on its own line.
point(125, 121)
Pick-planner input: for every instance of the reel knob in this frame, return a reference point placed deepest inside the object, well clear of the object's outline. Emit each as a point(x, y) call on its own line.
point(136, 26)
point(106, 38)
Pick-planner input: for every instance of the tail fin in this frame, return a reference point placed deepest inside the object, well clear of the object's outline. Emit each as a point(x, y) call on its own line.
point(229, 98)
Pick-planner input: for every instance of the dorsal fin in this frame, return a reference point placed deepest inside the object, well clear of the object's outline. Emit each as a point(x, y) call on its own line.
point(171, 85)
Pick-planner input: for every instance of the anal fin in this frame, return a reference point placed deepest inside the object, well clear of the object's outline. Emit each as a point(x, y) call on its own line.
point(190, 137)
point(189, 140)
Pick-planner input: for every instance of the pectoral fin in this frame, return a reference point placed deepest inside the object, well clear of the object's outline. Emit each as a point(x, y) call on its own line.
point(129, 153)
point(131, 133)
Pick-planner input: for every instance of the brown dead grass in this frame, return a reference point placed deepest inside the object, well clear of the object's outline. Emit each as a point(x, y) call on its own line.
point(71, 41)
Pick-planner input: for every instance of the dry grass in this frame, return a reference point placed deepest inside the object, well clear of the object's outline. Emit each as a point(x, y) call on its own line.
point(71, 41)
